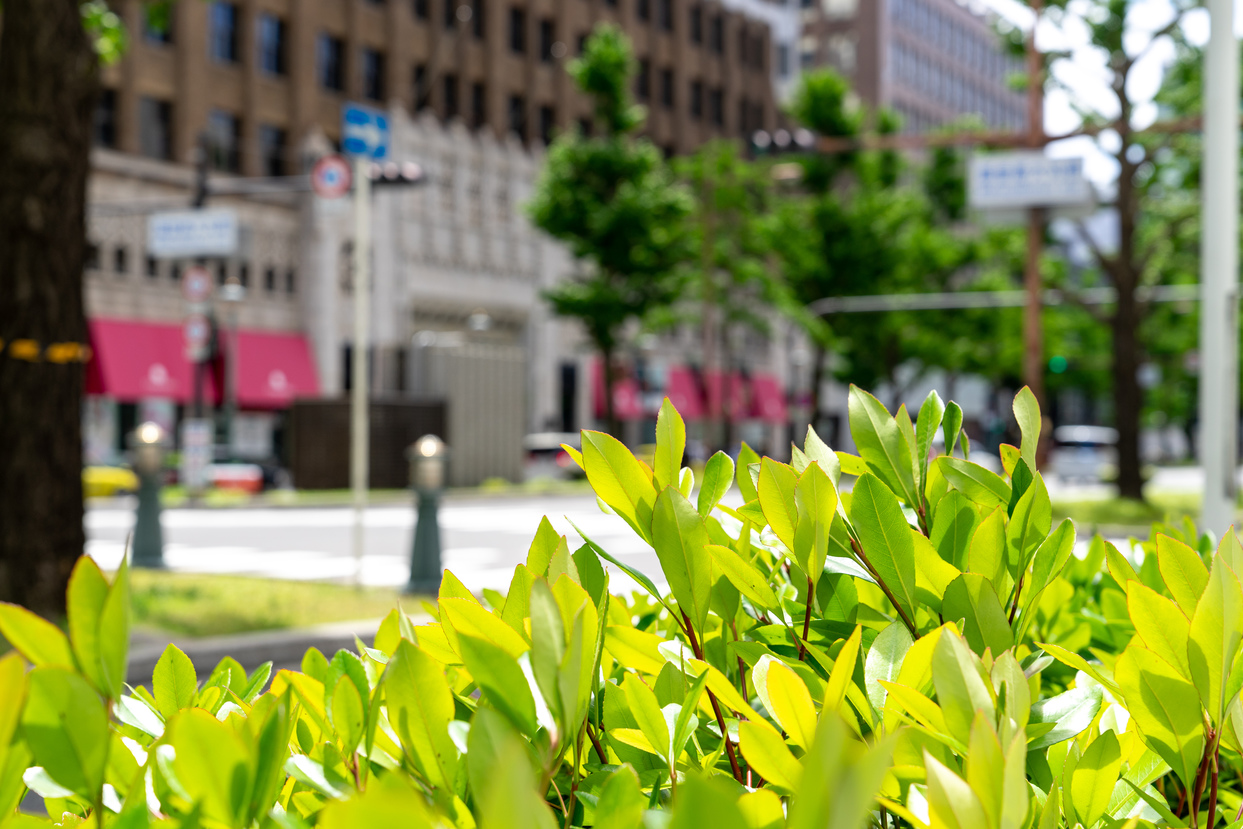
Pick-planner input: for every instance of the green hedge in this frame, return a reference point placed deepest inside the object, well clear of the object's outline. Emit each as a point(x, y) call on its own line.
point(925, 650)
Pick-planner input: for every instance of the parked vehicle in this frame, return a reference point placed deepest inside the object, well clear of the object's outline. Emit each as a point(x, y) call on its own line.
point(546, 459)
point(108, 481)
point(1084, 453)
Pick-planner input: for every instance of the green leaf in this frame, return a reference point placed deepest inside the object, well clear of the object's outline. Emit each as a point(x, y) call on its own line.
point(647, 714)
point(501, 680)
point(961, 688)
point(347, 715)
point(543, 547)
point(926, 425)
point(977, 483)
point(66, 728)
point(742, 472)
point(1160, 624)
point(1051, 556)
point(951, 423)
point(819, 452)
point(786, 697)
point(884, 660)
point(816, 502)
point(1027, 414)
point(707, 801)
point(885, 537)
point(718, 477)
point(1157, 698)
point(1184, 573)
point(1029, 526)
point(619, 479)
point(1092, 781)
point(777, 499)
point(766, 752)
point(1071, 712)
point(686, 722)
point(621, 803)
point(840, 779)
point(953, 524)
point(640, 578)
point(680, 539)
point(670, 446)
point(1213, 643)
point(88, 590)
point(547, 644)
point(37, 639)
point(932, 573)
point(743, 575)
point(174, 681)
point(390, 802)
point(987, 553)
point(951, 802)
point(881, 444)
point(114, 624)
point(971, 597)
point(420, 707)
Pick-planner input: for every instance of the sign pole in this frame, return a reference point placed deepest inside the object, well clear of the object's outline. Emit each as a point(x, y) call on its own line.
point(359, 436)
point(1033, 339)
point(1219, 266)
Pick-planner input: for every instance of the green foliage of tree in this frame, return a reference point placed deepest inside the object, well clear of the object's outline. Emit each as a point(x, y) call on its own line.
point(895, 638)
point(613, 201)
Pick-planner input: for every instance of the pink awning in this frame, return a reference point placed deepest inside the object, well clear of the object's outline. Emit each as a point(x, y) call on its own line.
point(768, 400)
point(273, 369)
point(682, 389)
point(627, 400)
point(132, 360)
point(728, 396)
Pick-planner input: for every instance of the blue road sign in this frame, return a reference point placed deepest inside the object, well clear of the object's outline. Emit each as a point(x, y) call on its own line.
point(364, 132)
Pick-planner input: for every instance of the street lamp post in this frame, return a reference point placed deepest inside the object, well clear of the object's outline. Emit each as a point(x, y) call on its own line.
point(231, 294)
point(148, 442)
point(428, 457)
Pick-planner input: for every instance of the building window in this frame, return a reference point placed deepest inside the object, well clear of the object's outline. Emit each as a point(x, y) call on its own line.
point(744, 117)
point(518, 116)
point(547, 121)
point(547, 34)
point(174, 273)
point(664, 11)
point(421, 9)
point(716, 106)
point(155, 128)
point(222, 272)
point(157, 23)
point(421, 92)
point(330, 60)
point(478, 105)
point(153, 267)
point(269, 280)
point(271, 44)
point(222, 40)
point(612, 3)
point(105, 132)
point(291, 281)
point(120, 260)
point(224, 139)
point(697, 24)
point(272, 150)
point(643, 9)
point(584, 127)
point(476, 20)
point(517, 31)
point(373, 75)
point(783, 60)
point(666, 88)
point(697, 99)
point(758, 50)
point(93, 256)
point(243, 274)
point(744, 48)
point(716, 35)
point(582, 44)
point(451, 13)
point(643, 83)
point(450, 102)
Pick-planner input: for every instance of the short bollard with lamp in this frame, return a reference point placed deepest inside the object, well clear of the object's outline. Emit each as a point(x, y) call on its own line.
point(149, 443)
point(428, 458)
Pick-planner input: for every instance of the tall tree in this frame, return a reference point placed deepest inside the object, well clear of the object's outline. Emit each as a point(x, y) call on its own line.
point(613, 201)
point(49, 72)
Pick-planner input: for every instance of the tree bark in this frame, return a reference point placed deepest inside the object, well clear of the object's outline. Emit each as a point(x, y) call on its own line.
point(1128, 315)
point(49, 77)
point(610, 381)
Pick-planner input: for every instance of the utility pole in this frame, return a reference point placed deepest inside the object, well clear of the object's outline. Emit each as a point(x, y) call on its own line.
point(1219, 272)
point(359, 433)
point(1033, 339)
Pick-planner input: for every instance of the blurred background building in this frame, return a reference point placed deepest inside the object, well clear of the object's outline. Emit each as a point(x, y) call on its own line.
point(931, 61)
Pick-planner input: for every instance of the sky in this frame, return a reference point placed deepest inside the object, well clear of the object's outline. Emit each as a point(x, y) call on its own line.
point(1086, 75)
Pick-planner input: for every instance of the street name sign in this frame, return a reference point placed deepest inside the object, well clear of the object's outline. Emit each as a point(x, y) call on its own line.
point(192, 233)
point(364, 132)
point(1020, 180)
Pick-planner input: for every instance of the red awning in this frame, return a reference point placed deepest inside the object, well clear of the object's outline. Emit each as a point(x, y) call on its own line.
point(682, 389)
point(735, 402)
point(627, 401)
point(134, 360)
point(273, 369)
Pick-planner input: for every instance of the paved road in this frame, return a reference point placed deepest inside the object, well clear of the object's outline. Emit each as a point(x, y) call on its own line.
point(483, 538)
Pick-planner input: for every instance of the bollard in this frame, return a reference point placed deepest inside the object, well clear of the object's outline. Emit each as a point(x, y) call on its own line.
point(148, 443)
point(428, 457)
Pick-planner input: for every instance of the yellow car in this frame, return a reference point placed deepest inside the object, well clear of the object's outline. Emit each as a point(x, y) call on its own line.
point(106, 481)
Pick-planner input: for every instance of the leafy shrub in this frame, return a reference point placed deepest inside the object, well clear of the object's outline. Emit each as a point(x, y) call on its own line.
point(923, 650)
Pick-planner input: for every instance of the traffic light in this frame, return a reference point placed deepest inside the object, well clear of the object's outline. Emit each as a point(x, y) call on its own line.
point(395, 174)
point(782, 141)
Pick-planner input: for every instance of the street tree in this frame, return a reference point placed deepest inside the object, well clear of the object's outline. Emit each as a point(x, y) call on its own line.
point(611, 198)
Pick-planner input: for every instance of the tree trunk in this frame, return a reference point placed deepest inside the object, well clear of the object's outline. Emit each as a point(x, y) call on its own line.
point(48, 72)
point(1128, 396)
point(613, 424)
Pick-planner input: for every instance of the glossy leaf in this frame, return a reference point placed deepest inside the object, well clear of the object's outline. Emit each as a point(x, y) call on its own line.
point(174, 682)
point(680, 540)
point(670, 446)
point(718, 477)
point(884, 535)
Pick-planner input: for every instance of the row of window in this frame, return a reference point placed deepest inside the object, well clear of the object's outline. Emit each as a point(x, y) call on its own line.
point(955, 90)
point(273, 279)
point(704, 101)
point(223, 37)
point(981, 51)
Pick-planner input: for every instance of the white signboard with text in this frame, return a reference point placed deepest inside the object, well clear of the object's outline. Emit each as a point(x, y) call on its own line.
point(1018, 180)
point(192, 233)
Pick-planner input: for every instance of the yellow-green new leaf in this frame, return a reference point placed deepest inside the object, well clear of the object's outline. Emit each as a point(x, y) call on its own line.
point(961, 688)
point(174, 681)
point(987, 553)
point(680, 540)
point(843, 671)
point(1157, 698)
point(985, 488)
point(786, 697)
point(420, 707)
point(816, 503)
point(777, 498)
point(646, 711)
point(37, 639)
point(881, 444)
point(1027, 414)
point(840, 780)
point(1160, 624)
point(1092, 781)
point(88, 590)
point(619, 479)
point(670, 445)
point(718, 476)
point(1213, 643)
point(951, 802)
point(971, 598)
point(885, 537)
point(743, 575)
point(1183, 572)
point(767, 753)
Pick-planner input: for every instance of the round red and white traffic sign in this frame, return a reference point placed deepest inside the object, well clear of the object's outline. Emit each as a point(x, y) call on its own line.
point(330, 177)
point(196, 285)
